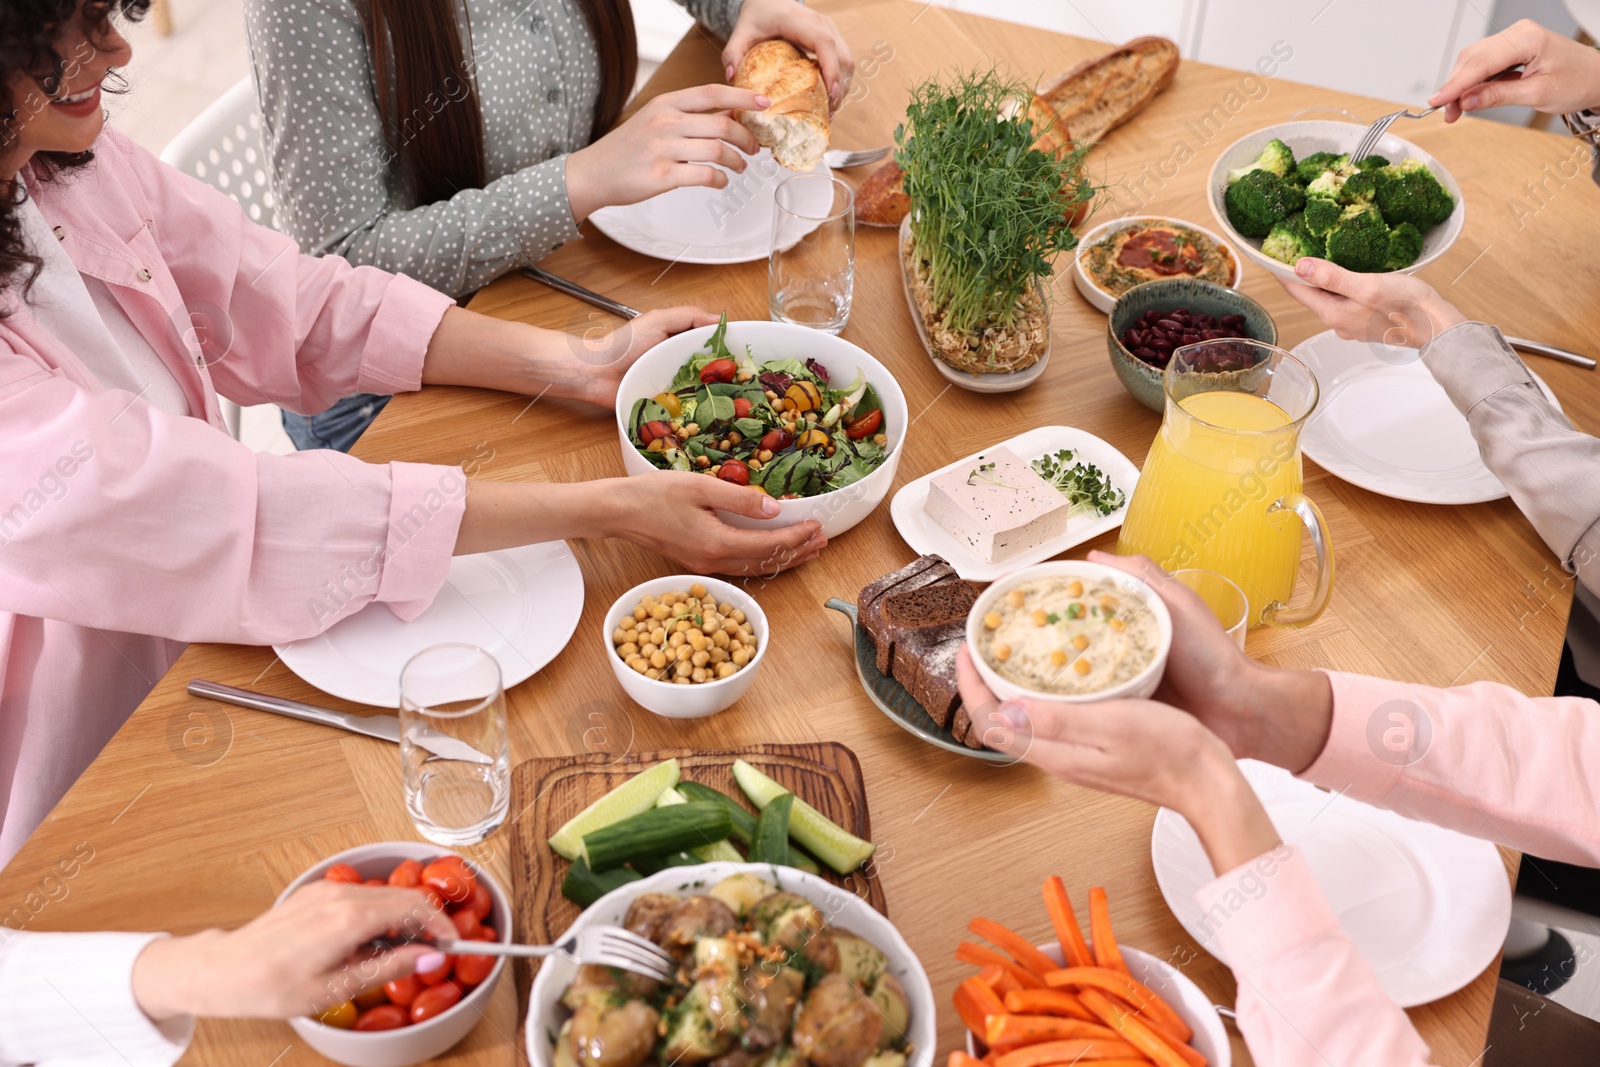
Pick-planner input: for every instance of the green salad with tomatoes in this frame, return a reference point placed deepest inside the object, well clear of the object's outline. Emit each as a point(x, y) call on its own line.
point(779, 425)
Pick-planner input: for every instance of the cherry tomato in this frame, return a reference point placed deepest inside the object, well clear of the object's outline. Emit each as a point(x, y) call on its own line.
point(343, 872)
point(718, 370)
point(466, 923)
point(435, 1001)
point(341, 1016)
point(435, 901)
point(387, 1017)
point(776, 440)
point(472, 970)
point(654, 429)
point(449, 877)
point(403, 991)
point(742, 407)
point(481, 903)
point(437, 975)
point(735, 471)
point(374, 881)
point(371, 998)
point(486, 933)
point(408, 875)
point(865, 426)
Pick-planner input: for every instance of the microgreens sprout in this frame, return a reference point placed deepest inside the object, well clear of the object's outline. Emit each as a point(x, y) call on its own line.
point(981, 474)
point(1084, 485)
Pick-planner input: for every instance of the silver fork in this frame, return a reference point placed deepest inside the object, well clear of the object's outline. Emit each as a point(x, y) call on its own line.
point(606, 946)
point(839, 159)
point(1369, 140)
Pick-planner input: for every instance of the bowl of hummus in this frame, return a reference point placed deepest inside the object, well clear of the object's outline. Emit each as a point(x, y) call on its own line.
point(1070, 631)
point(1118, 255)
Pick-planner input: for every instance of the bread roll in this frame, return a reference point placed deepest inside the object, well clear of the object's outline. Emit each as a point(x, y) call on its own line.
point(795, 127)
point(1101, 94)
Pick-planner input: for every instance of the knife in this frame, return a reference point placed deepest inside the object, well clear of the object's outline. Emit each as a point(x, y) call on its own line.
point(383, 727)
point(561, 284)
point(1550, 352)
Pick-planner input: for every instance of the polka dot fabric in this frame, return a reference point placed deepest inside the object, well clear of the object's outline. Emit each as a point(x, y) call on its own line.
point(538, 76)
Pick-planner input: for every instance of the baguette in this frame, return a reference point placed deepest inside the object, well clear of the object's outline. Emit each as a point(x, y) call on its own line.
point(795, 127)
point(1101, 94)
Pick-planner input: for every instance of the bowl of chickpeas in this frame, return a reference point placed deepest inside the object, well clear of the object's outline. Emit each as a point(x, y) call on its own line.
point(684, 646)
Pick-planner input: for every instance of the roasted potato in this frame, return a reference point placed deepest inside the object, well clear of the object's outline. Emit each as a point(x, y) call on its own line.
point(646, 912)
point(741, 892)
point(596, 982)
point(792, 921)
point(770, 1001)
point(694, 918)
point(837, 1026)
point(613, 1033)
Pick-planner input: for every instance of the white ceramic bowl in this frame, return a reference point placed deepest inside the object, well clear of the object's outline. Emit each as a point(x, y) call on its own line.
point(1105, 301)
point(1140, 685)
point(1171, 985)
point(836, 511)
point(839, 907)
point(1310, 136)
point(686, 701)
point(422, 1041)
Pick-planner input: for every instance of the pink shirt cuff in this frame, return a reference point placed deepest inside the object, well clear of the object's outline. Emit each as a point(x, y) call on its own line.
point(1263, 908)
point(402, 329)
point(1363, 728)
point(426, 504)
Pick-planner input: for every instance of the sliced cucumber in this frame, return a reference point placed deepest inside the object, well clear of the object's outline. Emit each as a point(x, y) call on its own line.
point(744, 824)
point(772, 832)
point(830, 842)
point(583, 887)
point(657, 832)
point(637, 794)
point(717, 851)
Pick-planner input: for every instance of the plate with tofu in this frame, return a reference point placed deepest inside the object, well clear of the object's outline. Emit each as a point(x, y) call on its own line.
point(994, 511)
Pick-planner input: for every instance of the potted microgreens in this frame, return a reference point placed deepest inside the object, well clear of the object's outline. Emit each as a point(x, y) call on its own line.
point(990, 212)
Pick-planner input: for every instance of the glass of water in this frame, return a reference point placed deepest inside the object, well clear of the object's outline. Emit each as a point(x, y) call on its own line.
point(455, 753)
point(812, 271)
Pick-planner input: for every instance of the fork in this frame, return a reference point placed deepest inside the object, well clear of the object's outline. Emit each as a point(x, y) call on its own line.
point(839, 159)
point(605, 946)
point(1375, 132)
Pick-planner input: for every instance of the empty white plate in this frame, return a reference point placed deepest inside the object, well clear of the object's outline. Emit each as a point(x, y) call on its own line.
point(521, 605)
point(1427, 907)
point(1383, 423)
point(922, 533)
point(703, 225)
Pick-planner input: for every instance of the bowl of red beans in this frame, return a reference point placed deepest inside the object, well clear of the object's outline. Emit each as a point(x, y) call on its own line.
point(417, 1017)
point(1150, 322)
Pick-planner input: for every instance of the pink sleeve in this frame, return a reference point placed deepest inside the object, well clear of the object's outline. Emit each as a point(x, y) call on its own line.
point(277, 326)
point(1483, 759)
point(1306, 997)
point(118, 516)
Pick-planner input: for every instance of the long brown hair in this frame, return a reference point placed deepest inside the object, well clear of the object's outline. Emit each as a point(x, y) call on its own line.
point(417, 48)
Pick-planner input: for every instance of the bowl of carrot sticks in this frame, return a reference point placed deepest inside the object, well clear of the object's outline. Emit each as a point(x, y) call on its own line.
point(1080, 1001)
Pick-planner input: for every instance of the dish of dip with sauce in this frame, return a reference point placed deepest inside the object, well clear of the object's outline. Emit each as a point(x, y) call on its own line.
point(1124, 253)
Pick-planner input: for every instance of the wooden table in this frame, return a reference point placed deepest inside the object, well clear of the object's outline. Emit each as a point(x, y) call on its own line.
point(198, 815)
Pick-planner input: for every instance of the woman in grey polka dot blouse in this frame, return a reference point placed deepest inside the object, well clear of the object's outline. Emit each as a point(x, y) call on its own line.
point(455, 157)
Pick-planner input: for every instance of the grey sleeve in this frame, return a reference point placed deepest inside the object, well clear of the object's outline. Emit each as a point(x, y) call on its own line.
point(1551, 469)
point(718, 16)
point(331, 163)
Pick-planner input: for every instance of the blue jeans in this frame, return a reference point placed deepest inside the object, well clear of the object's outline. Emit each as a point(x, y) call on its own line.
point(338, 427)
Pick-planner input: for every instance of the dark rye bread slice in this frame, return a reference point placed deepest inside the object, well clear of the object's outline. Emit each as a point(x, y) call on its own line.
point(924, 570)
point(963, 729)
point(925, 663)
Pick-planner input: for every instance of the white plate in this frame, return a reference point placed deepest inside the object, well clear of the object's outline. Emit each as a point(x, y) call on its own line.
point(926, 536)
point(1103, 301)
point(520, 605)
point(1382, 422)
point(703, 225)
point(1427, 907)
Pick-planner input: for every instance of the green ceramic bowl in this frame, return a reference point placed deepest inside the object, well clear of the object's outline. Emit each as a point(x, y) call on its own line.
point(1205, 298)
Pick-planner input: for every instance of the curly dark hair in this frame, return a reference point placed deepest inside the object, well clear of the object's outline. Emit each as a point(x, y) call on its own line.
point(28, 32)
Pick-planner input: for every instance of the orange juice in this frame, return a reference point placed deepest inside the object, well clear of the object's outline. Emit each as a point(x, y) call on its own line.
point(1203, 496)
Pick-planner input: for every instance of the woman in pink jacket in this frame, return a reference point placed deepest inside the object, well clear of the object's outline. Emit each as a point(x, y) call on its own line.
point(131, 297)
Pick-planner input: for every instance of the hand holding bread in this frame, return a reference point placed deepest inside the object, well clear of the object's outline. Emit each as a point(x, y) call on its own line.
point(795, 127)
point(810, 31)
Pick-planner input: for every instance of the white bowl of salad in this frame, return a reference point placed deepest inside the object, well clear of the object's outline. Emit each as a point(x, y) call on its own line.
point(805, 417)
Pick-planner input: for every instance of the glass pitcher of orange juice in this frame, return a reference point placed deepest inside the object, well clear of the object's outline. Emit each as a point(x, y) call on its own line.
point(1221, 489)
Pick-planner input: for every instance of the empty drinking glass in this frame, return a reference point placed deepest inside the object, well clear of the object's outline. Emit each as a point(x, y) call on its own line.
point(811, 272)
point(1225, 599)
point(454, 751)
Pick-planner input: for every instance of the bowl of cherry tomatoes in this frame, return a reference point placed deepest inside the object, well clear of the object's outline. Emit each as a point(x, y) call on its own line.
point(420, 1016)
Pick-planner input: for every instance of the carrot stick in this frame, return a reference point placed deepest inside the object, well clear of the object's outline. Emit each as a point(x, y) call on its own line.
point(1073, 1050)
point(1126, 987)
point(975, 1002)
point(999, 979)
point(978, 956)
point(1163, 1028)
point(1007, 1032)
point(1137, 1033)
point(1106, 952)
point(1073, 947)
point(1047, 1002)
point(1018, 946)
point(961, 1059)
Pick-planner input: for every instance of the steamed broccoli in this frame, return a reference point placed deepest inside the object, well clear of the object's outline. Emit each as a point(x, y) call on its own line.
point(1321, 214)
point(1405, 245)
point(1408, 192)
point(1290, 241)
point(1275, 158)
point(1373, 162)
point(1360, 240)
point(1313, 165)
point(1360, 188)
point(1260, 199)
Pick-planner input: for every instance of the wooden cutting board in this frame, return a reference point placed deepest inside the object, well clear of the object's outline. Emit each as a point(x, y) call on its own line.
point(548, 792)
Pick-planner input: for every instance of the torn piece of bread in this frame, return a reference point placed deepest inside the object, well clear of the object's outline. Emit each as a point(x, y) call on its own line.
point(795, 127)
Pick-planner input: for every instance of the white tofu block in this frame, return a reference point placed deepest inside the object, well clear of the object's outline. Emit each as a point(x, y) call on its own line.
point(1000, 511)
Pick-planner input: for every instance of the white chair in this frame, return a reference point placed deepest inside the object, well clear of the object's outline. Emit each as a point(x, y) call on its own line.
point(222, 147)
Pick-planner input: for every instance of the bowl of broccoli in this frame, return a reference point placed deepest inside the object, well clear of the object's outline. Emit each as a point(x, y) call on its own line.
point(1292, 190)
